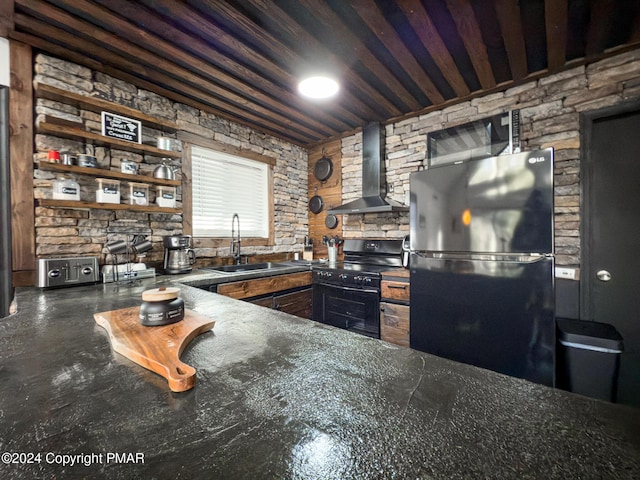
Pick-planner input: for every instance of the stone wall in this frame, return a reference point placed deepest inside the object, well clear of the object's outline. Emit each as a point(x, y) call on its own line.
point(550, 111)
point(66, 232)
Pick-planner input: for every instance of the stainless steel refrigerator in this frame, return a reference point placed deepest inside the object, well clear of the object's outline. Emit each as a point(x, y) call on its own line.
point(482, 264)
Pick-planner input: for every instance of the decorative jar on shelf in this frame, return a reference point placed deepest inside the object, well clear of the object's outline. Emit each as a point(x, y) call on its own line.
point(66, 189)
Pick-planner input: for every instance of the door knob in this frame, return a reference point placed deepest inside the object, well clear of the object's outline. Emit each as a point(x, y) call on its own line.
point(603, 275)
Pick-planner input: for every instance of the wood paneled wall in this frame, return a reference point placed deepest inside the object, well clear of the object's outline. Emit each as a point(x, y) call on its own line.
point(21, 157)
point(331, 193)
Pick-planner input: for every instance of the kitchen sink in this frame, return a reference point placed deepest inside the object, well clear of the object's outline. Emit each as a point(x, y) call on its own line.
point(248, 267)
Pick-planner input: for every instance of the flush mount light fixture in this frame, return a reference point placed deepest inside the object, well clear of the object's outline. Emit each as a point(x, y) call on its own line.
point(318, 87)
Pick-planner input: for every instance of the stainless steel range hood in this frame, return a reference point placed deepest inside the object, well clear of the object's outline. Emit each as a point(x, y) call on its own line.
point(374, 188)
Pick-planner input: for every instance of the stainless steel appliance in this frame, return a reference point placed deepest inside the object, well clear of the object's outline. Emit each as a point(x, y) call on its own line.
point(178, 254)
point(374, 186)
point(482, 264)
point(66, 272)
point(347, 294)
point(485, 137)
point(6, 265)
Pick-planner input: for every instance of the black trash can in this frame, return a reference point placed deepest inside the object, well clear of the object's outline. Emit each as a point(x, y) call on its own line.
point(588, 358)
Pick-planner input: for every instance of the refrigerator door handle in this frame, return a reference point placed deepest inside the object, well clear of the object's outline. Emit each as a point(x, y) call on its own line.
point(511, 258)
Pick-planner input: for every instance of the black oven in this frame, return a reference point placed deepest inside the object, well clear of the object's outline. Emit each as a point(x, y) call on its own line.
point(347, 294)
point(355, 309)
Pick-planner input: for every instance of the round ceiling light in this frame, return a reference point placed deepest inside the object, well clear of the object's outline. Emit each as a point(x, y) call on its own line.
point(318, 87)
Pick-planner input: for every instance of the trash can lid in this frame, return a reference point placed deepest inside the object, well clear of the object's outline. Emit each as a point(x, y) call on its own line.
point(585, 332)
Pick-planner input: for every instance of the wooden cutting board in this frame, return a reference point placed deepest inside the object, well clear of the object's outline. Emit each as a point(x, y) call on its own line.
point(155, 348)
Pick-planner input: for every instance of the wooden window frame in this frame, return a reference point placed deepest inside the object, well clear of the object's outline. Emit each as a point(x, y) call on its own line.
point(187, 193)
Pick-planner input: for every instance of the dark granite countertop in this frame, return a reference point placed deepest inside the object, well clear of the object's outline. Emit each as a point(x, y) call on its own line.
point(204, 277)
point(279, 397)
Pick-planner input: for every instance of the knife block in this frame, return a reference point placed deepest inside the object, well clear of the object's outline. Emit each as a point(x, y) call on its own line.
point(307, 253)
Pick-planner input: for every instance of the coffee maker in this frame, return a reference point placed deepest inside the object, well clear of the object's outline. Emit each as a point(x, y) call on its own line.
point(178, 254)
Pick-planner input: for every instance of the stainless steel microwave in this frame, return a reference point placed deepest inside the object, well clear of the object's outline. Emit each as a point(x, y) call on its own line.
point(487, 137)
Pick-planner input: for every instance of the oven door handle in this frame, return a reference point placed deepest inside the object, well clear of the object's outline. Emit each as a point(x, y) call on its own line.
point(348, 289)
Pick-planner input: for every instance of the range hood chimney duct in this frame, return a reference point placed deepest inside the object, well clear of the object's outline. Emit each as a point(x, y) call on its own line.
point(374, 188)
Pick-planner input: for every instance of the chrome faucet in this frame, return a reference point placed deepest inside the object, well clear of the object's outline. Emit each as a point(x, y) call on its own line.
point(235, 241)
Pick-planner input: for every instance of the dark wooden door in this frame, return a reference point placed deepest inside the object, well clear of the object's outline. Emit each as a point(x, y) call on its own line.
point(611, 238)
point(296, 303)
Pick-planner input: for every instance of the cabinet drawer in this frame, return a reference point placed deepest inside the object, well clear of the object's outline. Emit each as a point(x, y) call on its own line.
point(394, 290)
point(394, 323)
point(264, 285)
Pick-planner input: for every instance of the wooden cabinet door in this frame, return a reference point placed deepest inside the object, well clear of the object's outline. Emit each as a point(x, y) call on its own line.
point(394, 323)
point(296, 303)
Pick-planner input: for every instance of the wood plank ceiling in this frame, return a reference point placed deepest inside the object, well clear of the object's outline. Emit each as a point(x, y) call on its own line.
point(242, 59)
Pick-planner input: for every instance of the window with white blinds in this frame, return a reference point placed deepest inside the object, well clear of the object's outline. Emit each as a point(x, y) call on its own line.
point(224, 184)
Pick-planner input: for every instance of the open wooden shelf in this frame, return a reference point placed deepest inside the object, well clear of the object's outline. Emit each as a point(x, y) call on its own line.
point(75, 131)
point(97, 105)
point(79, 134)
point(80, 205)
point(99, 172)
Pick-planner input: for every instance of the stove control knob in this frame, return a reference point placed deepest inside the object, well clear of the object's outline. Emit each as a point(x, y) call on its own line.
point(367, 280)
point(55, 273)
point(357, 279)
point(342, 276)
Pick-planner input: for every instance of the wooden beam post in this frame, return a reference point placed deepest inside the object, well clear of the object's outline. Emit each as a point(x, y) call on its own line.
point(21, 158)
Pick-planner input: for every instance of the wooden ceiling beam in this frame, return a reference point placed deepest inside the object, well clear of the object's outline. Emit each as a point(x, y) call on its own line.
point(375, 20)
point(556, 17)
point(82, 59)
point(141, 76)
point(45, 46)
point(635, 29)
point(226, 99)
point(183, 14)
point(428, 34)
point(308, 43)
point(469, 31)
point(6, 17)
point(153, 51)
point(326, 16)
point(602, 11)
point(508, 12)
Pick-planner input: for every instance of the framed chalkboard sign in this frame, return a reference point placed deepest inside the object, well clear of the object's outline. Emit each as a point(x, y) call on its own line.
point(122, 128)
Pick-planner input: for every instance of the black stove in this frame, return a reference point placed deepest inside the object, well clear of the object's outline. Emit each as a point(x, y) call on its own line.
point(350, 274)
point(364, 261)
point(347, 294)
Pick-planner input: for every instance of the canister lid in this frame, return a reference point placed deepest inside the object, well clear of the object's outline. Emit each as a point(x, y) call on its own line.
point(160, 294)
point(108, 181)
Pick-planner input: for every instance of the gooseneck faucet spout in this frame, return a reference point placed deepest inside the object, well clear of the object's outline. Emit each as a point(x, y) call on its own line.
point(235, 241)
